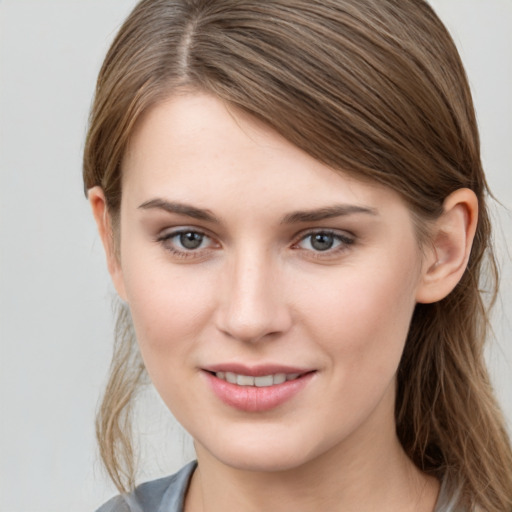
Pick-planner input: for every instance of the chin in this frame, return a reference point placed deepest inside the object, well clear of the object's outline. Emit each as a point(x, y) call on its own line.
point(261, 452)
point(263, 461)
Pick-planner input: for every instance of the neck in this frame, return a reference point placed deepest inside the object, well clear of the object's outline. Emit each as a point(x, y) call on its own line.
point(368, 472)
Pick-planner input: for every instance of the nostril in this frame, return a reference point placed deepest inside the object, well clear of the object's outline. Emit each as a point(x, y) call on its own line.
point(251, 306)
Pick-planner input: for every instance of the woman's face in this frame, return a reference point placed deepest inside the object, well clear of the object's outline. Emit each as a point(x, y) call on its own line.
point(271, 296)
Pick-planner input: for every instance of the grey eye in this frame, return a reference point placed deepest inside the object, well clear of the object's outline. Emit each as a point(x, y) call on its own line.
point(322, 241)
point(191, 240)
point(325, 241)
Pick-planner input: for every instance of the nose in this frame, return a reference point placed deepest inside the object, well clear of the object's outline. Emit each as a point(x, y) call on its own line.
point(252, 306)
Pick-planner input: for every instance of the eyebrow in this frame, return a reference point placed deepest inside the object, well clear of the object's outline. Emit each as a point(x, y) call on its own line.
point(179, 208)
point(314, 215)
point(328, 212)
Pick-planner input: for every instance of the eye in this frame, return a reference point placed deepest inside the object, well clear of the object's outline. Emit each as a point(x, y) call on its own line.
point(324, 241)
point(190, 240)
point(186, 242)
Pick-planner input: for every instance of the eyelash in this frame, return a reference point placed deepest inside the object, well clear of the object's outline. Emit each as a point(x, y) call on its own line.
point(166, 241)
point(343, 242)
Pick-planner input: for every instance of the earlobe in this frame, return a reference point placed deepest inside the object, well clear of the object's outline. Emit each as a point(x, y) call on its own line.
point(452, 239)
point(104, 223)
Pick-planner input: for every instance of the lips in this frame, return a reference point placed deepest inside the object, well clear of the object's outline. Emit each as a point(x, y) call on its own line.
point(256, 389)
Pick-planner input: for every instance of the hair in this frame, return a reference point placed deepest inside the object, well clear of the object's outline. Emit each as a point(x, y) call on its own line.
point(374, 88)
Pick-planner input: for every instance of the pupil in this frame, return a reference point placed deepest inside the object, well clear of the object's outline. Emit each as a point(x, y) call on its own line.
point(322, 241)
point(191, 240)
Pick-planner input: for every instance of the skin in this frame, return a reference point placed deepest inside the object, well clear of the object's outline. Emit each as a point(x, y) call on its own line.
point(258, 291)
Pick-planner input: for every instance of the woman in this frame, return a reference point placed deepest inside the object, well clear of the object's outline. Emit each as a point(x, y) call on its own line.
point(292, 204)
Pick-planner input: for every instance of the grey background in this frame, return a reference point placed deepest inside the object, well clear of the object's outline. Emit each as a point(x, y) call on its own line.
point(55, 296)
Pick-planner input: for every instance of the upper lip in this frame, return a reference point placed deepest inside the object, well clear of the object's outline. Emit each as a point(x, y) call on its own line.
point(255, 370)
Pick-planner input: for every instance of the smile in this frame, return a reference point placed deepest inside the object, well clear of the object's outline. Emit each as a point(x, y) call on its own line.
point(267, 388)
point(262, 381)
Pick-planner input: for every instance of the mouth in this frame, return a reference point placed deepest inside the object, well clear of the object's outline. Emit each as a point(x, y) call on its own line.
point(257, 389)
point(261, 381)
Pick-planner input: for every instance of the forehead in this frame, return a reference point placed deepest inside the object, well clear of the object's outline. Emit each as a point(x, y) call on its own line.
point(195, 147)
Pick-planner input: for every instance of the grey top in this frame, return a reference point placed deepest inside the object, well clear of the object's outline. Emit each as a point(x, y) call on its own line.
point(168, 495)
point(163, 495)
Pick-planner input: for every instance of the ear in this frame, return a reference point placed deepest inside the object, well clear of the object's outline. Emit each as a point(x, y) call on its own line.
point(104, 224)
point(452, 238)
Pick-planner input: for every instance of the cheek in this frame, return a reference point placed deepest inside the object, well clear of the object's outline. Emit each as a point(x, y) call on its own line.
point(168, 304)
point(364, 321)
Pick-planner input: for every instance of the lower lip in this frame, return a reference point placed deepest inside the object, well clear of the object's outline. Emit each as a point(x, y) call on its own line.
point(255, 399)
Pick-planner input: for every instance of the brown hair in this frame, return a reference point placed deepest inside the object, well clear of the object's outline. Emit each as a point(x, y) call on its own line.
point(375, 88)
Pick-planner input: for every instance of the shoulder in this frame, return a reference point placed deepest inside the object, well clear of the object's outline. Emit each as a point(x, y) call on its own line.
point(163, 494)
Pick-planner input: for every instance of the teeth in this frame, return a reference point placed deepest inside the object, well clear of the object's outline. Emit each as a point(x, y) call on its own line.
point(230, 377)
point(244, 380)
point(260, 382)
point(279, 378)
point(266, 380)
